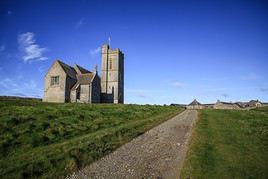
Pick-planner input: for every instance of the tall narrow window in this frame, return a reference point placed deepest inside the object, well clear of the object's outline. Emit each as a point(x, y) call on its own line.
point(55, 80)
point(78, 94)
point(111, 64)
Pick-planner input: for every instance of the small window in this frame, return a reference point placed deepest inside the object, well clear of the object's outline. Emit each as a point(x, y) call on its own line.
point(55, 80)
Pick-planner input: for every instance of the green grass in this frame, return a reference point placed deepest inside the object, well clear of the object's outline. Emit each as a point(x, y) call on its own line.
point(44, 140)
point(228, 144)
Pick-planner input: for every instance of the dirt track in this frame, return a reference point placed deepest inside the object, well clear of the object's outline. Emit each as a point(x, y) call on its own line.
point(158, 153)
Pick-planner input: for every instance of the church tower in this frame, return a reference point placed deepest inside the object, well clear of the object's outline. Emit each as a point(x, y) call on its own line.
point(112, 75)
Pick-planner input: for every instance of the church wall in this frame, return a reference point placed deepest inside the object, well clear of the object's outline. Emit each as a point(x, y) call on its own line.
point(85, 94)
point(96, 90)
point(55, 93)
point(69, 84)
point(73, 96)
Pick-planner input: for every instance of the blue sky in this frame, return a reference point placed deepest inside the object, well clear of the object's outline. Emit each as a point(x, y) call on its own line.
point(175, 51)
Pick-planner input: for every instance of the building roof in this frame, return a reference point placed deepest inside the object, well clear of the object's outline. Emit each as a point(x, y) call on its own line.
point(85, 79)
point(70, 71)
point(222, 102)
point(80, 70)
point(241, 104)
point(253, 102)
point(195, 102)
point(229, 103)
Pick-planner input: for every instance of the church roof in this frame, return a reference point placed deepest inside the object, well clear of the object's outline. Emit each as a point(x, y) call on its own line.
point(195, 102)
point(80, 70)
point(85, 79)
point(74, 71)
point(70, 71)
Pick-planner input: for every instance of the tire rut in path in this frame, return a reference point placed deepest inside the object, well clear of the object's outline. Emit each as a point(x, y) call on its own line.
point(158, 153)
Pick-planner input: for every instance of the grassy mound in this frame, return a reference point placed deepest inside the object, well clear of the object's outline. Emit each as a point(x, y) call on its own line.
point(44, 140)
point(229, 144)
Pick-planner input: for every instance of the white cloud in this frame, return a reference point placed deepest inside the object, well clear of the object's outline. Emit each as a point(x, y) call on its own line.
point(177, 84)
point(250, 76)
point(16, 86)
point(94, 52)
point(30, 85)
point(41, 69)
point(8, 83)
point(30, 50)
point(79, 23)
point(142, 96)
point(2, 47)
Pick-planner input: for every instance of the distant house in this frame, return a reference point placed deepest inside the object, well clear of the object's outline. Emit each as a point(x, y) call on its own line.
point(195, 105)
point(225, 105)
point(254, 104)
point(242, 104)
point(208, 105)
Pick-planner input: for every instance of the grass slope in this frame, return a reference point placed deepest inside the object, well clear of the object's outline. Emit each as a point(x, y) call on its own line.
point(43, 140)
point(229, 144)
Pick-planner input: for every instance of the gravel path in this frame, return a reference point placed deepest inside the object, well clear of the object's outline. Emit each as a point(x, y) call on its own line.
point(158, 153)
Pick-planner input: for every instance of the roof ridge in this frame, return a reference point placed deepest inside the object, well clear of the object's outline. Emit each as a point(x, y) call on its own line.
point(69, 70)
point(81, 69)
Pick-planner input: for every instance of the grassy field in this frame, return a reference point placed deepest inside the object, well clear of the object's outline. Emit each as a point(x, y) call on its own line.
point(229, 144)
point(43, 140)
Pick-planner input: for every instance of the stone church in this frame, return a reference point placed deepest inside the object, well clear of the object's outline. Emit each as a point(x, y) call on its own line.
point(64, 83)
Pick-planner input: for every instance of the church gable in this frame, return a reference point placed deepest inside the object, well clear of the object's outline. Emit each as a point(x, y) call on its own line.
point(70, 71)
point(55, 84)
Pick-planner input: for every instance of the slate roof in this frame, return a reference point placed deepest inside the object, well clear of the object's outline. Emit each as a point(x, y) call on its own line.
point(85, 79)
point(195, 102)
point(80, 70)
point(229, 103)
point(82, 75)
point(70, 71)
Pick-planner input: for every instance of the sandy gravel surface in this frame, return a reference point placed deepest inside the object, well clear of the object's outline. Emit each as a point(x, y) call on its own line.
point(158, 153)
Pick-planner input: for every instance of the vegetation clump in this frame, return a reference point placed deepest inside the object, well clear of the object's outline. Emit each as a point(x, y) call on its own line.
point(48, 140)
point(229, 144)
